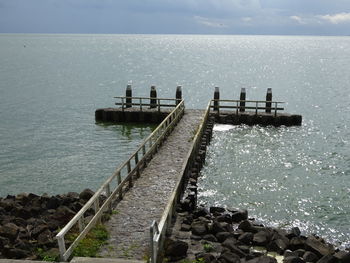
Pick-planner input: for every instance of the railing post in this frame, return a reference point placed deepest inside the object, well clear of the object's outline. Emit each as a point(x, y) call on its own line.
point(123, 104)
point(119, 180)
point(129, 170)
point(178, 94)
point(242, 99)
point(216, 98)
point(153, 96)
point(140, 104)
point(61, 247)
point(256, 108)
point(268, 100)
point(158, 105)
point(136, 163)
point(108, 193)
point(81, 223)
point(128, 95)
point(96, 208)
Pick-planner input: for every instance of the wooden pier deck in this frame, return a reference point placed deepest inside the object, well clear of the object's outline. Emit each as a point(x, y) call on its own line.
point(129, 225)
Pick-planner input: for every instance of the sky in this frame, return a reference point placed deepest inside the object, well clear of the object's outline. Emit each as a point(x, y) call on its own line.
point(271, 17)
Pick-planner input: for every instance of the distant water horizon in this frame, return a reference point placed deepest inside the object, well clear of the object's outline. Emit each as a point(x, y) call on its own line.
point(50, 86)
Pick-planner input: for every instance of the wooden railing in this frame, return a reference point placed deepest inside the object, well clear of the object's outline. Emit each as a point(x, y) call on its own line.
point(141, 102)
point(243, 105)
point(116, 184)
point(158, 231)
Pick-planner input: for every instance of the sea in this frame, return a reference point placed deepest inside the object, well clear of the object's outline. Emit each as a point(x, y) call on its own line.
point(50, 86)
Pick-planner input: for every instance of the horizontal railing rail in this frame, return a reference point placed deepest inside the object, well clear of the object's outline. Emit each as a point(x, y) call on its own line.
point(157, 231)
point(140, 102)
point(242, 105)
point(130, 168)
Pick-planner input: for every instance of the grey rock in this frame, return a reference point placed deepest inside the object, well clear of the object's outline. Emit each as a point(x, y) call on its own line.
point(310, 257)
point(229, 257)
point(246, 238)
point(317, 246)
point(293, 259)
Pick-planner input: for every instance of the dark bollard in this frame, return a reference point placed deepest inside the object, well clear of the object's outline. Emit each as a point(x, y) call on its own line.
point(242, 98)
point(153, 96)
point(178, 95)
point(268, 100)
point(128, 95)
point(216, 98)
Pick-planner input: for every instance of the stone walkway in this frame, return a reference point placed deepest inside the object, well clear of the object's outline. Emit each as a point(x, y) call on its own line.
point(129, 225)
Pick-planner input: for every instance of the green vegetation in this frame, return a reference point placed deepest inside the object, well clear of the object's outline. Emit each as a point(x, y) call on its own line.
point(90, 245)
point(51, 255)
point(208, 247)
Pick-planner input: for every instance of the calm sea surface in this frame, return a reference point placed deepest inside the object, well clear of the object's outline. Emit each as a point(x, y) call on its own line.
point(50, 86)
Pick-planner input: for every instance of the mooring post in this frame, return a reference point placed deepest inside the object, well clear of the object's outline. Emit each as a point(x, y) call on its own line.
point(153, 96)
point(178, 94)
point(128, 95)
point(216, 99)
point(268, 100)
point(242, 100)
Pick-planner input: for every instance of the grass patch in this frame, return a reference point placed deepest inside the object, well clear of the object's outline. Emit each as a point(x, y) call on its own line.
point(90, 245)
point(51, 255)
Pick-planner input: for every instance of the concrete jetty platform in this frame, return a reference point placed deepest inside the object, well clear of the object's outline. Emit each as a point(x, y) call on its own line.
point(147, 199)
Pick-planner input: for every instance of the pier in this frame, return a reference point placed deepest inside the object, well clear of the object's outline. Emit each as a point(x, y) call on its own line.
point(145, 190)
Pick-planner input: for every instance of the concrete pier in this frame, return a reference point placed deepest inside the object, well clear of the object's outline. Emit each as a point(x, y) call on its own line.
point(147, 199)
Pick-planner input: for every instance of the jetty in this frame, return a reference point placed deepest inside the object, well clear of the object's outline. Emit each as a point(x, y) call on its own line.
point(142, 196)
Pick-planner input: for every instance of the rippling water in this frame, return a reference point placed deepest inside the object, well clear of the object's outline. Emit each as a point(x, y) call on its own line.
point(50, 86)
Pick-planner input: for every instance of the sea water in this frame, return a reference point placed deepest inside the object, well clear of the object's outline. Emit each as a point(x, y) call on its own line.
point(50, 86)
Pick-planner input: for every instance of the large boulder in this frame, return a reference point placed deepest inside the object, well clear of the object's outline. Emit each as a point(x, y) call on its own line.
point(176, 249)
point(199, 228)
point(9, 231)
point(318, 246)
point(86, 194)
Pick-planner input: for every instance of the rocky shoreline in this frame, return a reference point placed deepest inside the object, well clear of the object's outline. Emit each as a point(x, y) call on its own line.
point(29, 222)
point(229, 236)
point(217, 234)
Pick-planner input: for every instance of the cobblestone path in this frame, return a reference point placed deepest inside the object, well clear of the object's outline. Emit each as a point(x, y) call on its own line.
point(146, 200)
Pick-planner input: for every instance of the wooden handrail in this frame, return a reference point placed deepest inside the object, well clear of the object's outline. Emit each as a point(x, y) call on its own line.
point(147, 148)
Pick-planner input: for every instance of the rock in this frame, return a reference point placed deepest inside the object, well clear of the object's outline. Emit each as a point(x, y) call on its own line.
point(222, 236)
point(45, 238)
point(262, 238)
point(246, 238)
point(343, 256)
point(292, 259)
point(22, 212)
point(38, 230)
point(299, 252)
point(277, 245)
point(218, 227)
point(231, 243)
point(16, 253)
point(176, 249)
point(239, 216)
point(310, 257)
point(229, 257)
point(224, 218)
point(218, 210)
point(199, 228)
point(63, 214)
point(86, 194)
point(318, 247)
point(201, 212)
point(262, 259)
point(294, 232)
point(246, 226)
point(296, 243)
point(185, 227)
point(3, 242)
point(53, 203)
point(9, 231)
point(210, 237)
point(328, 259)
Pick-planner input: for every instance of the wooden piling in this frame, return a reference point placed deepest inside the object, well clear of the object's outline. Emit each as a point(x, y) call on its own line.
point(268, 100)
point(242, 98)
point(128, 95)
point(216, 97)
point(153, 96)
point(178, 94)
